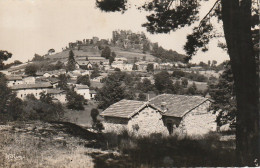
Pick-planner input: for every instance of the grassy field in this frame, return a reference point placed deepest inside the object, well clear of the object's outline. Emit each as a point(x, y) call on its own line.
point(81, 117)
point(44, 145)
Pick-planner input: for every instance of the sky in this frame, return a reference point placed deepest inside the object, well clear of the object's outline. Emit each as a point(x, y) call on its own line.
point(34, 26)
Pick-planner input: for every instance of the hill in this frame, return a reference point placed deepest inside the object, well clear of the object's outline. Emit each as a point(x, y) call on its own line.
point(124, 44)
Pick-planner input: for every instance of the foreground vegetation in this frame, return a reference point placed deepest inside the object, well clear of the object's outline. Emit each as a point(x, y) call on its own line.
point(61, 144)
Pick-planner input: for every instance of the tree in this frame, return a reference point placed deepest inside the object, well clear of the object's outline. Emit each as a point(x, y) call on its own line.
point(4, 55)
point(75, 101)
point(84, 80)
point(95, 73)
point(59, 65)
point(141, 97)
point(10, 105)
point(112, 90)
point(184, 82)
point(106, 52)
point(51, 51)
point(112, 58)
point(63, 81)
point(162, 82)
point(94, 113)
point(150, 68)
point(239, 19)
point(223, 95)
point(37, 57)
point(31, 69)
point(71, 65)
point(135, 67)
point(192, 90)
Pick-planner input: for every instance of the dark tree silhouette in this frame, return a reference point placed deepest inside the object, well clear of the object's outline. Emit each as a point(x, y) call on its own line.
point(71, 65)
point(4, 55)
point(239, 18)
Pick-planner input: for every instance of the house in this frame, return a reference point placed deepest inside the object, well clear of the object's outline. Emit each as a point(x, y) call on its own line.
point(93, 94)
point(83, 90)
point(166, 114)
point(29, 80)
point(23, 90)
point(57, 94)
point(134, 116)
point(84, 64)
point(14, 80)
point(184, 114)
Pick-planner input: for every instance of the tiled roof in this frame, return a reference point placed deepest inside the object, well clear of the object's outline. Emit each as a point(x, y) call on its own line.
point(177, 105)
point(55, 91)
point(92, 92)
point(82, 87)
point(11, 78)
point(32, 86)
point(124, 108)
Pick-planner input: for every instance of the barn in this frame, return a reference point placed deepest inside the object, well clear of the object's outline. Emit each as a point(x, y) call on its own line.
point(166, 114)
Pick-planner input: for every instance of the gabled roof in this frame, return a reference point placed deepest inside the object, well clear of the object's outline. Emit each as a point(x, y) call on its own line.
point(32, 86)
point(124, 108)
point(177, 105)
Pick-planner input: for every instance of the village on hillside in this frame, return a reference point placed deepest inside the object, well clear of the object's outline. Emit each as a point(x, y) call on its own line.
point(129, 84)
point(126, 86)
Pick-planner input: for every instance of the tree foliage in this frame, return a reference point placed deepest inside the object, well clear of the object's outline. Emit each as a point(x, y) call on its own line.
point(10, 105)
point(84, 80)
point(71, 65)
point(4, 55)
point(106, 52)
point(75, 101)
point(113, 90)
point(223, 95)
point(31, 69)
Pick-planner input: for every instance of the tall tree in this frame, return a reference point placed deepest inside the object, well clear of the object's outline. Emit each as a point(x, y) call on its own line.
point(223, 95)
point(239, 18)
point(10, 105)
point(113, 90)
point(4, 55)
point(106, 52)
point(71, 65)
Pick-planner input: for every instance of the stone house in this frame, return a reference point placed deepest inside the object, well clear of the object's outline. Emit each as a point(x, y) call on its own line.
point(23, 90)
point(83, 90)
point(137, 117)
point(166, 114)
point(184, 114)
point(14, 80)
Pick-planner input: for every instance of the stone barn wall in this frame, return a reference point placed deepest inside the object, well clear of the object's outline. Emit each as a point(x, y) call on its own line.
point(198, 121)
point(114, 124)
point(146, 122)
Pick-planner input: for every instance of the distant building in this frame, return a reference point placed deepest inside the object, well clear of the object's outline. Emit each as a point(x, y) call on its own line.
point(29, 80)
point(58, 95)
point(83, 90)
point(14, 80)
point(23, 90)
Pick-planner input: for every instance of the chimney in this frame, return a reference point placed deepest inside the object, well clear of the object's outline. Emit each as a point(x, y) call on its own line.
point(163, 106)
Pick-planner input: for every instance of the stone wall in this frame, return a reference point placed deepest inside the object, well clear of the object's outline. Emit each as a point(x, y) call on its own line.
point(199, 121)
point(114, 124)
point(148, 121)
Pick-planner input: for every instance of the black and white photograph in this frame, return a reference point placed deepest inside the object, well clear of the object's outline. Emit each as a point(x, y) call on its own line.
point(129, 83)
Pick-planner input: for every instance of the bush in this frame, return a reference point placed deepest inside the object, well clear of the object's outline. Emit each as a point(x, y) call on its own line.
point(75, 101)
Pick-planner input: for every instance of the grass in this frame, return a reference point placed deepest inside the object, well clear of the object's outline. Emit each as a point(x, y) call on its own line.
point(81, 117)
point(38, 144)
point(158, 151)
